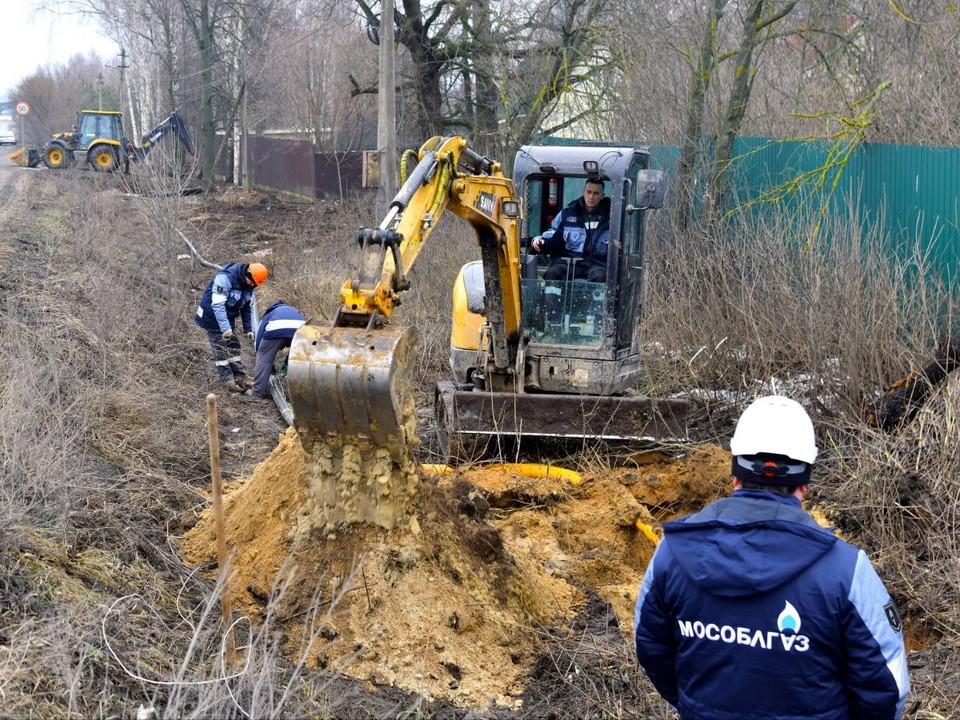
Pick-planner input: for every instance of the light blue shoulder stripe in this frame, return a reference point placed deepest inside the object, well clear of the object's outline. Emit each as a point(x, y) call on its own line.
point(869, 597)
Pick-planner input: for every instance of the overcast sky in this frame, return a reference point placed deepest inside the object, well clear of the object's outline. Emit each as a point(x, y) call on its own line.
point(33, 38)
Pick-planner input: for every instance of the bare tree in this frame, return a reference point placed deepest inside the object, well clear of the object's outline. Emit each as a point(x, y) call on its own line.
point(55, 94)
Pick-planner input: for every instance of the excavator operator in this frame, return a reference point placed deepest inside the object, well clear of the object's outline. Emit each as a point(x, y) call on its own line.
point(580, 248)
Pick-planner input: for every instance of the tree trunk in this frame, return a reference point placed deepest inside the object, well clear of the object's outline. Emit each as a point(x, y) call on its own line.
point(702, 72)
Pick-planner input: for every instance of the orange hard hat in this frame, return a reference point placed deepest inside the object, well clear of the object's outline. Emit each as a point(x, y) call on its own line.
point(258, 273)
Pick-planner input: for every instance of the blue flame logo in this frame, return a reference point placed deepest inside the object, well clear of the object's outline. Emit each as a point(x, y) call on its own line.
point(789, 619)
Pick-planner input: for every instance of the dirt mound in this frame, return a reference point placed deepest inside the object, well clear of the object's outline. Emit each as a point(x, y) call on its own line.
point(453, 606)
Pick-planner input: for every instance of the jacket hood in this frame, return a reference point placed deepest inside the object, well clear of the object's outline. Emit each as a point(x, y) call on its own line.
point(751, 542)
point(236, 271)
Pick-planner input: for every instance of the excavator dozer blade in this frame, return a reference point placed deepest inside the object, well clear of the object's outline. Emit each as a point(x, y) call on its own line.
point(471, 421)
point(349, 385)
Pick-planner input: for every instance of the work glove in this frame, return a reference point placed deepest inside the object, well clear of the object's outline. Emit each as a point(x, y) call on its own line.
point(228, 334)
point(250, 336)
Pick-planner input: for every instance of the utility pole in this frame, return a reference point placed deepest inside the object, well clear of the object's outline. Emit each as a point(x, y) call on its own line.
point(245, 146)
point(387, 112)
point(123, 66)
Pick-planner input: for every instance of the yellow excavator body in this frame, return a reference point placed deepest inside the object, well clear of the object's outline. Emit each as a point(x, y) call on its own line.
point(522, 366)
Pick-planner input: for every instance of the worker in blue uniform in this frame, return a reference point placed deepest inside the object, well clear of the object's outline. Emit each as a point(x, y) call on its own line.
point(276, 330)
point(749, 609)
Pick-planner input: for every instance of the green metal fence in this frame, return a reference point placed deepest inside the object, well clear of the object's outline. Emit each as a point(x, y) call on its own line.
point(910, 192)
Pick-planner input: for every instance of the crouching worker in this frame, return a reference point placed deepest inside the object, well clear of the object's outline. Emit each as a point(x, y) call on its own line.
point(749, 609)
point(275, 332)
point(228, 296)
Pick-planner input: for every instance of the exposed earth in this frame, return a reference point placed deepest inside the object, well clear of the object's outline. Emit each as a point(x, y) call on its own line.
point(454, 608)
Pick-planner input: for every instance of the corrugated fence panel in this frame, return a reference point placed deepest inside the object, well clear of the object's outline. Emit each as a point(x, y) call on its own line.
point(282, 164)
point(910, 191)
point(338, 174)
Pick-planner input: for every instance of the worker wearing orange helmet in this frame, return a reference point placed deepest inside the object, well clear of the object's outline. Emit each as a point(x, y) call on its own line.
point(229, 295)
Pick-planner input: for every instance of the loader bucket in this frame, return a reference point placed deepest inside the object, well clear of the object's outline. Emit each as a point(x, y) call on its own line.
point(19, 157)
point(348, 385)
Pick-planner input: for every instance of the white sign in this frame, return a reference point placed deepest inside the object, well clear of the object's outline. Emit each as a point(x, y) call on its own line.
point(22, 108)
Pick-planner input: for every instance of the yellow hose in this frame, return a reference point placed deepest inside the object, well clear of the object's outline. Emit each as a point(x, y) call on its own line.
point(407, 156)
point(647, 531)
point(445, 173)
point(533, 470)
point(436, 469)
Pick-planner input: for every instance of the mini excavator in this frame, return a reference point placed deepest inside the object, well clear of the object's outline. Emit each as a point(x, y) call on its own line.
point(520, 369)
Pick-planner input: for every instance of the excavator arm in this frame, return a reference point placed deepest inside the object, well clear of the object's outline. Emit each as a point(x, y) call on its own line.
point(348, 379)
point(173, 124)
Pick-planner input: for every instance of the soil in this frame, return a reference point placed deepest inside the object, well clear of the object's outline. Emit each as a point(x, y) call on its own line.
point(452, 607)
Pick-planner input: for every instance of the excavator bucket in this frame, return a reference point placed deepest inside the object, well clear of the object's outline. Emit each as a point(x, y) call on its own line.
point(19, 157)
point(350, 385)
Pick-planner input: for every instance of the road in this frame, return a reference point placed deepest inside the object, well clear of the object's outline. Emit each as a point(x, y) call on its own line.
point(8, 171)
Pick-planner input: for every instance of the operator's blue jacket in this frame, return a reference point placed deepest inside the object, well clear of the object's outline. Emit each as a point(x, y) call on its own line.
point(581, 234)
point(279, 322)
point(226, 298)
point(750, 610)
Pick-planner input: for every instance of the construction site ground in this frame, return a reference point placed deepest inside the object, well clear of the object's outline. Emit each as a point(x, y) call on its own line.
point(509, 596)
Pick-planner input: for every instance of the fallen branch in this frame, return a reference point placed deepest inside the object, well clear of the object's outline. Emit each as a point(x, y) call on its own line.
point(903, 400)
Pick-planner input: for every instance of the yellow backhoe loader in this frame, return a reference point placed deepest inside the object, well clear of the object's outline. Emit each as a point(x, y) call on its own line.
point(98, 139)
point(518, 371)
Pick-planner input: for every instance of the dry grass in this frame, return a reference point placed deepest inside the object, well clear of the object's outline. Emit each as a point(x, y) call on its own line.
point(764, 300)
point(103, 436)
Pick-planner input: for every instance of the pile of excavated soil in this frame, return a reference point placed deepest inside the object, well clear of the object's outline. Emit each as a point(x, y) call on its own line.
point(454, 605)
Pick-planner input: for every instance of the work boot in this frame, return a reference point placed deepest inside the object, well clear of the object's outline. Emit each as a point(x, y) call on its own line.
point(251, 397)
point(231, 387)
point(243, 382)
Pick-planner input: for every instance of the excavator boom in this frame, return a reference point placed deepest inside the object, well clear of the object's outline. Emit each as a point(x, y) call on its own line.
point(348, 380)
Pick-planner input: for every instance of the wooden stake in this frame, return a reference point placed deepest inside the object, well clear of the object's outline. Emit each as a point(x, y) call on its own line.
point(213, 435)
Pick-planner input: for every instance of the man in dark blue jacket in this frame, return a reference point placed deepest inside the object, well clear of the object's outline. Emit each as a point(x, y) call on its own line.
point(582, 232)
point(749, 609)
point(228, 296)
point(276, 330)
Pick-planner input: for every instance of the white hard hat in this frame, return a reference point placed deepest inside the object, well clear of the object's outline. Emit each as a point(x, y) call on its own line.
point(775, 425)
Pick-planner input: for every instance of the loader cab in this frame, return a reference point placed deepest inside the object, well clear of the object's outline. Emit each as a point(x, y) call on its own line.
point(583, 335)
point(97, 125)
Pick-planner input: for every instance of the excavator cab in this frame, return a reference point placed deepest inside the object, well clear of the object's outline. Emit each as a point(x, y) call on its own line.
point(567, 309)
point(583, 336)
point(581, 355)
